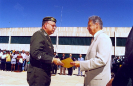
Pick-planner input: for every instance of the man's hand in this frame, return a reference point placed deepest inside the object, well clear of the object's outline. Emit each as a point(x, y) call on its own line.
point(110, 82)
point(57, 61)
point(75, 63)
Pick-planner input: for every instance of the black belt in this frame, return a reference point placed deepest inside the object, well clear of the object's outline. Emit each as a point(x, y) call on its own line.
point(42, 66)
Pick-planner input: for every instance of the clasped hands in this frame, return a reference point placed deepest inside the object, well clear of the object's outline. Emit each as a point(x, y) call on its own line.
point(75, 63)
point(57, 61)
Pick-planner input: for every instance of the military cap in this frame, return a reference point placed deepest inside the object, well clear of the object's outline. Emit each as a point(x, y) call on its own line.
point(49, 19)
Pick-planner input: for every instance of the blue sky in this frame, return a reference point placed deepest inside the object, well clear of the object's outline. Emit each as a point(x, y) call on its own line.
point(75, 13)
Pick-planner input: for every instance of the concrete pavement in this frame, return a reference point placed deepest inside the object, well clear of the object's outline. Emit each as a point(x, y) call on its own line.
point(19, 79)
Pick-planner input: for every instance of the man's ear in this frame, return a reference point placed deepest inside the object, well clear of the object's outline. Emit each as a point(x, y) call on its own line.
point(45, 26)
point(97, 25)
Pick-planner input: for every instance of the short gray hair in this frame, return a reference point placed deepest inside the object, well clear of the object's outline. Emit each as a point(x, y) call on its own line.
point(96, 19)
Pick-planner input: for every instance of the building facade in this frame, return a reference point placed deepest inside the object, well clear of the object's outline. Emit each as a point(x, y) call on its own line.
point(75, 40)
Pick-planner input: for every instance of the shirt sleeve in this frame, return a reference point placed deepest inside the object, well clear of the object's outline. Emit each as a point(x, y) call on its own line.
point(101, 58)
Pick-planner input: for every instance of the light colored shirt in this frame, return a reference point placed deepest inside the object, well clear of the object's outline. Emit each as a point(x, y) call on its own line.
point(97, 33)
point(14, 57)
point(28, 58)
point(81, 59)
point(8, 59)
point(3, 56)
point(1, 53)
point(23, 55)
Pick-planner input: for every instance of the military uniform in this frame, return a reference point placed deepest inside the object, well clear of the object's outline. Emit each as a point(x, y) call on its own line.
point(41, 53)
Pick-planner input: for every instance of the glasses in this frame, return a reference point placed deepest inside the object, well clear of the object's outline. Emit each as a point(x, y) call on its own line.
point(54, 26)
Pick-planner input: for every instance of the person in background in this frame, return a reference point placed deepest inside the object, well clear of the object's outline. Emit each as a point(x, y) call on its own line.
point(3, 61)
point(13, 61)
point(24, 59)
point(27, 61)
point(62, 69)
point(80, 59)
point(8, 61)
point(1, 53)
point(54, 71)
point(74, 59)
point(70, 70)
point(20, 62)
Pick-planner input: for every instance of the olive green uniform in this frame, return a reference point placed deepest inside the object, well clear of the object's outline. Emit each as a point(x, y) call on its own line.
point(41, 53)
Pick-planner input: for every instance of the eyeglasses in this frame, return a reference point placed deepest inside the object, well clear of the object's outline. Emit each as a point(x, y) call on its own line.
point(54, 26)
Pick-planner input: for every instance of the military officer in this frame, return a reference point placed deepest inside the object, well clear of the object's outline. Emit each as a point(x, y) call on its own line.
point(42, 54)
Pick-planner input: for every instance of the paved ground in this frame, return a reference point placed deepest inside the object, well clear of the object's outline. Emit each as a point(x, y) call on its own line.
point(19, 79)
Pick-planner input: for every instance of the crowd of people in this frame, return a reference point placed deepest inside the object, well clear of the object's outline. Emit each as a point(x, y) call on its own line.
point(117, 62)
point(20, 60)
point(12, 60)
point(63, 69)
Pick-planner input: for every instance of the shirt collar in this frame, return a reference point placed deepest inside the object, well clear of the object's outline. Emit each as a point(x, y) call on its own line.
point(97, 33)
point(45, 33)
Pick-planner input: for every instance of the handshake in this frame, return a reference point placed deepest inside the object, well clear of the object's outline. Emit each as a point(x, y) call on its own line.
point(66, 62)
point(57, 61)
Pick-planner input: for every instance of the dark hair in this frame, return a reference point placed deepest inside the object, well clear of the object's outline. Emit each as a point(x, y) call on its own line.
point(48, 19)
point(43, 22)
point(96, 19)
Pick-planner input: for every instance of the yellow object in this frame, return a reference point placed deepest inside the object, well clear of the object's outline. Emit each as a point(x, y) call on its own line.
point(8, 59)
point(13, 51)
point(66, 62)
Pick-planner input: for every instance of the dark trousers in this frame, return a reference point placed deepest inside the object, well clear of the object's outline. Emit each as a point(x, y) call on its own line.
point(3, 63)
point(19, 67)
point(70, 71)
point(8, 66)
point(38, 77)
point(54, 71)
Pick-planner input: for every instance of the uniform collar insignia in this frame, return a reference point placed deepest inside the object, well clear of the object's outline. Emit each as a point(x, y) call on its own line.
point(45, 34)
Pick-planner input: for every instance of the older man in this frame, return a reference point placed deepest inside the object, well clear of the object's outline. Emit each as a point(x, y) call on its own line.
point(97, 61)
point(41, 54)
